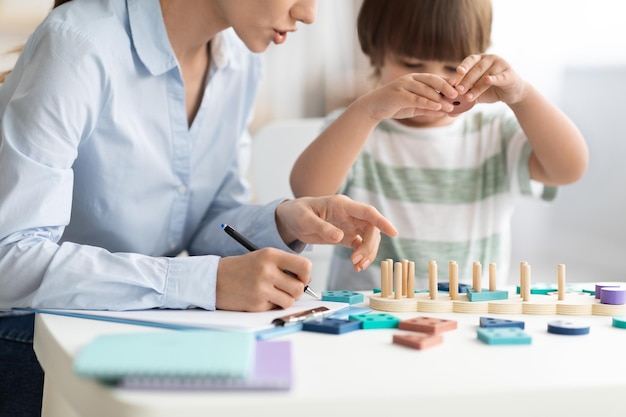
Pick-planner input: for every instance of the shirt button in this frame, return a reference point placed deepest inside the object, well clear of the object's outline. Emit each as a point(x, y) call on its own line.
point(173, 245)
point(182, 190)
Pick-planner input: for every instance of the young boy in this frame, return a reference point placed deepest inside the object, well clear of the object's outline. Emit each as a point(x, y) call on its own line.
point(447, 180)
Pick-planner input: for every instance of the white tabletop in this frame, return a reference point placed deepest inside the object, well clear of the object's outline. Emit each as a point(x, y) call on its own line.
point(362, 373)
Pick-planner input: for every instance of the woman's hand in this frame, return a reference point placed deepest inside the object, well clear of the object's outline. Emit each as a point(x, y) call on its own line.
point(334, 219)
point(257, 282)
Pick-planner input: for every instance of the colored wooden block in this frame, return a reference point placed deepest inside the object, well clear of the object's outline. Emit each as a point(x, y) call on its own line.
point(428, 325)
point(343, 296)
point(493, 322)
point(376, 320)
point(613, 295)
point(486, 295)
point(601, 285)
point(331, 325)
point(541, 288)
point(417, 340)
point(569, 328)
point(619, 322)
point(544, 288)
point(445, 287)
point(503, 336)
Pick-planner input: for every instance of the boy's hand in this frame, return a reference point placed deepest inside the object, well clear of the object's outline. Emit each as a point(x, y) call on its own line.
point(411, 95)
point(487, 78)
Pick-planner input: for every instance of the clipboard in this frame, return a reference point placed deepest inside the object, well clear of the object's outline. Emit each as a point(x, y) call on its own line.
point(197, 318)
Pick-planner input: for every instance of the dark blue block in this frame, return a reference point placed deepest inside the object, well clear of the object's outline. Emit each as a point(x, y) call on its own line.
point(445, 287)
point(331, 325)
point(568, 328)
point(491, 322)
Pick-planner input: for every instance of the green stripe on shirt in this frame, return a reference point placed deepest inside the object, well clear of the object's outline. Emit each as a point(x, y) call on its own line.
point(434, 186)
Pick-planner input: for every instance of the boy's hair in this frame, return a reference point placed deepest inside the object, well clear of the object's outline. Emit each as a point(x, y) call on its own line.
point(438, 30)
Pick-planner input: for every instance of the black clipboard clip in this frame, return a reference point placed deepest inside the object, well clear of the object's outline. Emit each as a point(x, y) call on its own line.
point(301, 316)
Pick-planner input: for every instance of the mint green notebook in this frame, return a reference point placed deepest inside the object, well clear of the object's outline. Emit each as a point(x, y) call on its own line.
point(189, 353)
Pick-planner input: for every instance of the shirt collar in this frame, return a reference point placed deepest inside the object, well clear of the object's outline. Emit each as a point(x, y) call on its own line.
point(152, 44)
point(149, 36)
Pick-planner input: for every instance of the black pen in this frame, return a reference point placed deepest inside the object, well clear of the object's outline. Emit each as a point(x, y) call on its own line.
point(243, 241)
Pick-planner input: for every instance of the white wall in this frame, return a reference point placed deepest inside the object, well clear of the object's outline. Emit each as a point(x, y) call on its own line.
point(574, 51)
point(541, 38)
point(22, 15)
point(585, 228)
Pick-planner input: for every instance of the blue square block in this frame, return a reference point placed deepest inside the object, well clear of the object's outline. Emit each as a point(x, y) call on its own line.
point(503, 336)
point(331, 325)
point(350, 297)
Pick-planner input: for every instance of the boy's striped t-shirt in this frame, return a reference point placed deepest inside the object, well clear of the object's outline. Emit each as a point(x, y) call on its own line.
point(450, 191)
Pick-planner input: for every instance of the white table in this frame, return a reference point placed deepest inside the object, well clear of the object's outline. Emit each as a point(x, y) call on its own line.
point(362, 373)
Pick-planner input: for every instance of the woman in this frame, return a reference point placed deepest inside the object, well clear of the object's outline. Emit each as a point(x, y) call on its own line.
point(124, 143)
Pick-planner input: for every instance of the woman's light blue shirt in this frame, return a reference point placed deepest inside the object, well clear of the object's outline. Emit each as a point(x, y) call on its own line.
point(102, 181)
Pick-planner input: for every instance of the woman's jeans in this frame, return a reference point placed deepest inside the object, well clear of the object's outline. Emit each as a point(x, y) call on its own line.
point(21, 376)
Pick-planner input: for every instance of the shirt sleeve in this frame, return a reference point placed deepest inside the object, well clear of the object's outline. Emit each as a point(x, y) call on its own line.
point(50, 104)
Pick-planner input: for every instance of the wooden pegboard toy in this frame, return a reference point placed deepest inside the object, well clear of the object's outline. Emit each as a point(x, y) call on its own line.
point(398, 294)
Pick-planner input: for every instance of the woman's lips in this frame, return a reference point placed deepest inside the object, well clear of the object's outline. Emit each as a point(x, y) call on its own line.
point(279, 37)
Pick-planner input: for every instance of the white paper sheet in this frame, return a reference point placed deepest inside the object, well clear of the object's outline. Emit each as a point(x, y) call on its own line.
point(197, 318)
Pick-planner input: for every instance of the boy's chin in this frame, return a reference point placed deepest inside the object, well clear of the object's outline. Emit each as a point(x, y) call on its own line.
point(429, 121)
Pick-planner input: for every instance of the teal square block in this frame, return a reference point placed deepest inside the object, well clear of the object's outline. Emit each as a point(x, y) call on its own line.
point(503, 336)
point(376, 320)
point(486, 295)
point(350, 297)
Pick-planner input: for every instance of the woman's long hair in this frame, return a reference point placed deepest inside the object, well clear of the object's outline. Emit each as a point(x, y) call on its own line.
point(3, 75)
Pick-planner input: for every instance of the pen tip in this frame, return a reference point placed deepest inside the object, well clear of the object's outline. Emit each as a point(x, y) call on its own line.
point(312, 293)
point(223, 225)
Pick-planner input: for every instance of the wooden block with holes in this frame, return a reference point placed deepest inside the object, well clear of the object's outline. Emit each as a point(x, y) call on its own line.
point(376, 320)
point(349, 297)
point(429, 325)
point(503, 336)
point(417, 340)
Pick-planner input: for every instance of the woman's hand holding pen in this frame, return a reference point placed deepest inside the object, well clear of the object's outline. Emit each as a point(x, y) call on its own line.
point(334, 219)
point(257, 282)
